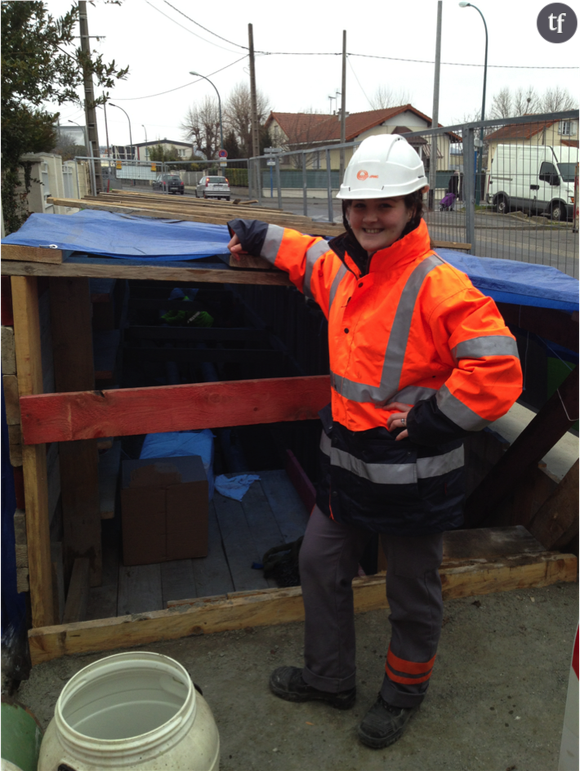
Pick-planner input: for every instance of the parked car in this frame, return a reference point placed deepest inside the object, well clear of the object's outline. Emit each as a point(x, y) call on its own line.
point(170, 182)
point(213, 187)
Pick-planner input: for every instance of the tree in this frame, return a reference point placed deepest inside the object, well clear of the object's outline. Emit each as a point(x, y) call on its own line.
point(202, 127)
point(40, 64)
point(238, 116)
point(385, 97)
point(506, 104)
point(557, 100)
point(162, 154)
point(526, 101)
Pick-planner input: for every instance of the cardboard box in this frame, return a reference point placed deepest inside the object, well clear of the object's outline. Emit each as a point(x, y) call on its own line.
point(164, 510)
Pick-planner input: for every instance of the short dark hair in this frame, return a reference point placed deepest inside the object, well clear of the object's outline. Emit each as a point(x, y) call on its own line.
point(413, 201)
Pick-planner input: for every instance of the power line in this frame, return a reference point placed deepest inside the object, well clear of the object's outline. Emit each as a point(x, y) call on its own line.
point(185, 28)
point(205, 28)
point(339, 53)
point(178, 88)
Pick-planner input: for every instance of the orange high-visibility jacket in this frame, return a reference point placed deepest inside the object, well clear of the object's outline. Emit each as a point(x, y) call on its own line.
point(413, 329)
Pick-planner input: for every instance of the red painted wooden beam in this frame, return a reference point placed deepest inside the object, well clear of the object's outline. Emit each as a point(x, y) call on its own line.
point(64, 417)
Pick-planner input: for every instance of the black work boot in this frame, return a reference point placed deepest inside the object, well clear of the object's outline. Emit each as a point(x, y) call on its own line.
point(287, 683)
point(384, 724)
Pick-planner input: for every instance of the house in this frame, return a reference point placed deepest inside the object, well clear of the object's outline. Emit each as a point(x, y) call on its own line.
point(184, 149)
point(545, 132)
point(311, 131)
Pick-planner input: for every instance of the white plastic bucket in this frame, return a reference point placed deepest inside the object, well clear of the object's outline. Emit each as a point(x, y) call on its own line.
point(135, 710)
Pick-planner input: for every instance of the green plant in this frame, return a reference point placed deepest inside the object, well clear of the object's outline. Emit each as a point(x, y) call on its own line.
point(40, 64)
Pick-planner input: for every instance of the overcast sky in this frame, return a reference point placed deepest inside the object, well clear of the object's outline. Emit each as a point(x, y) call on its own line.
point(298, 46)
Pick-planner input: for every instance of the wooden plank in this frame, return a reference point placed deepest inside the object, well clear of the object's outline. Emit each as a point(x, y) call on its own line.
point(31, 253)
point(461, 245)
point(19, 527)
point(8, 351)
point(139, 589)
point(239, 546)
point(70, 315)
point(177, 580)
point(129, 411)
point(549, 425)
point(287, 507)
point(489, 543)
point(279, 606)
point(109, 466)
point(10, 385)
point(100, 267)
point(29, 367)
point(22, 580)
point(78, 592)
point(556, 521)
point(212, 574)
point(15, 445)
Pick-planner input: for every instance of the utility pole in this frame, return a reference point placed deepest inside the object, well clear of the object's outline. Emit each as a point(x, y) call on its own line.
point(343, 106)
point(90, 110)
point(254, 107)
point(435, 120)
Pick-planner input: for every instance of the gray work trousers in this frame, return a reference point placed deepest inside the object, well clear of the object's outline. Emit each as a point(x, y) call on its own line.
point(329, 559)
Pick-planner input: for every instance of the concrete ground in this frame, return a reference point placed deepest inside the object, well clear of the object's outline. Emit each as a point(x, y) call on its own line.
point(496, 701)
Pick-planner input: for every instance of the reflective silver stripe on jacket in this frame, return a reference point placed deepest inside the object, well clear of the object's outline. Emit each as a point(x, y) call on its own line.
point(272, 242)
point(312, 256)
point(325, 444)
point(491, 345)
point(398, 473)
point(397, 344)
point(337, 279)
point(458, 412)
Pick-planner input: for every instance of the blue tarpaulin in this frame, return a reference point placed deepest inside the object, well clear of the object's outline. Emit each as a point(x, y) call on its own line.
point(150, 240)
point(124, 236)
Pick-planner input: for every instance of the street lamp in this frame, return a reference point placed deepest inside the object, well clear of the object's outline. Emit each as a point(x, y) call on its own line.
point(130, 133)
point(146, 148)
point(219, 106)
point(464, 4)
point(84, 128)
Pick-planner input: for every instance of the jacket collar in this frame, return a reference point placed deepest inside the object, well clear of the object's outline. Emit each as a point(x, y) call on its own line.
point(405, 250)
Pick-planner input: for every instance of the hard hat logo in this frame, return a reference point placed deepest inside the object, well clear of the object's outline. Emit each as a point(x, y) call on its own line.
point(383, 166)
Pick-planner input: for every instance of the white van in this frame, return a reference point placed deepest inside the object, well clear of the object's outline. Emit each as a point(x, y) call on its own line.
point(537, 179)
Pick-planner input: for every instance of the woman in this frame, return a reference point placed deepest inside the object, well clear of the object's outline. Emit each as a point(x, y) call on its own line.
point(418, 359)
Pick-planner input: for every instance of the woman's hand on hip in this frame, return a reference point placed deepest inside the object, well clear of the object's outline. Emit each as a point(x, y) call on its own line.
point(398, 420)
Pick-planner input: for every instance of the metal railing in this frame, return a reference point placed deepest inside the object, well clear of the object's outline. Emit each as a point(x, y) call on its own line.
point(525, 228)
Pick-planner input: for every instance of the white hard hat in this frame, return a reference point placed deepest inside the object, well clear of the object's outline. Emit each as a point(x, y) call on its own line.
point(383, 166)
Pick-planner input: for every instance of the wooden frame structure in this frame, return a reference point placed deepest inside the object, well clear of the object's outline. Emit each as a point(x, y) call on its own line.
point(81, 416)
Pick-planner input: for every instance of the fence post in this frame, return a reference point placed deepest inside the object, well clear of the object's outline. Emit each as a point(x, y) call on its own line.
point(304, 185)
point(329, 190)
point(278, 182)
point(469, 187)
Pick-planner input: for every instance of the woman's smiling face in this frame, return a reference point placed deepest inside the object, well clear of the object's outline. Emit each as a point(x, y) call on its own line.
point(378, 222)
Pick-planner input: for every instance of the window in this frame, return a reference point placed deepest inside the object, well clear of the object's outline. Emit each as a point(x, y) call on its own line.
point(567, 128)
point(548, 172)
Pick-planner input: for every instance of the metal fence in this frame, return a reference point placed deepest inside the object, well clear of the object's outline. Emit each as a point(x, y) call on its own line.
point(514, 194)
